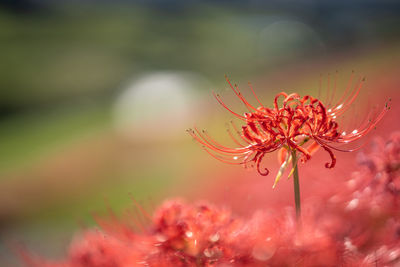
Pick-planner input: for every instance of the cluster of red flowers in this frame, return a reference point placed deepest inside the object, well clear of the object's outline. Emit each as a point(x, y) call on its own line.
point(356, 224)
point(367, 206)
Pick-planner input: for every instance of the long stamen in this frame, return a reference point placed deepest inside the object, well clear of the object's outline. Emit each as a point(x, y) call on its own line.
point(352, 97)
point(345, 92)
point(226, 107)
point(225, 150)
point(252, 90)
point(239, 94)
point(224, 160)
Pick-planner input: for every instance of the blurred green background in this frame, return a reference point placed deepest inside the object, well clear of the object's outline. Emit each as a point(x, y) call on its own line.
point(95, 96)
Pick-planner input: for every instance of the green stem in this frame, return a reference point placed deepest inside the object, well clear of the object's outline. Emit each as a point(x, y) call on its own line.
point(296, 185)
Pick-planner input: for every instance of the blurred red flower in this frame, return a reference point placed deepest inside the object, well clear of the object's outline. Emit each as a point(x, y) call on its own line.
point(354, 224)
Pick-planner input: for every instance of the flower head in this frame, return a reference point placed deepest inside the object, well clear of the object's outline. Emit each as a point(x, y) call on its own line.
point(289, 125)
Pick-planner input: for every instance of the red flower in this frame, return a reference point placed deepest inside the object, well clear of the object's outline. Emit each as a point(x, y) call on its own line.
point(288, 126)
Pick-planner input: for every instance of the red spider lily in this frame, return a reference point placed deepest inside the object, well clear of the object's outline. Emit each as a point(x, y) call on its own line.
point(288, 126)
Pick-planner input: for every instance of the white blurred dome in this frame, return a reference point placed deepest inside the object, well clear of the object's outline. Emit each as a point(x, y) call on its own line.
point(158, 105)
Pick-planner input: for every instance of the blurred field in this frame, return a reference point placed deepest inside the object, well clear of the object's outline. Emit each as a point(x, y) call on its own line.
point(64, 66)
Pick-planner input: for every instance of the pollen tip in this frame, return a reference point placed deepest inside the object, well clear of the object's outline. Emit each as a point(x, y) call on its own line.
point(352, 71)
point(363, 79)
